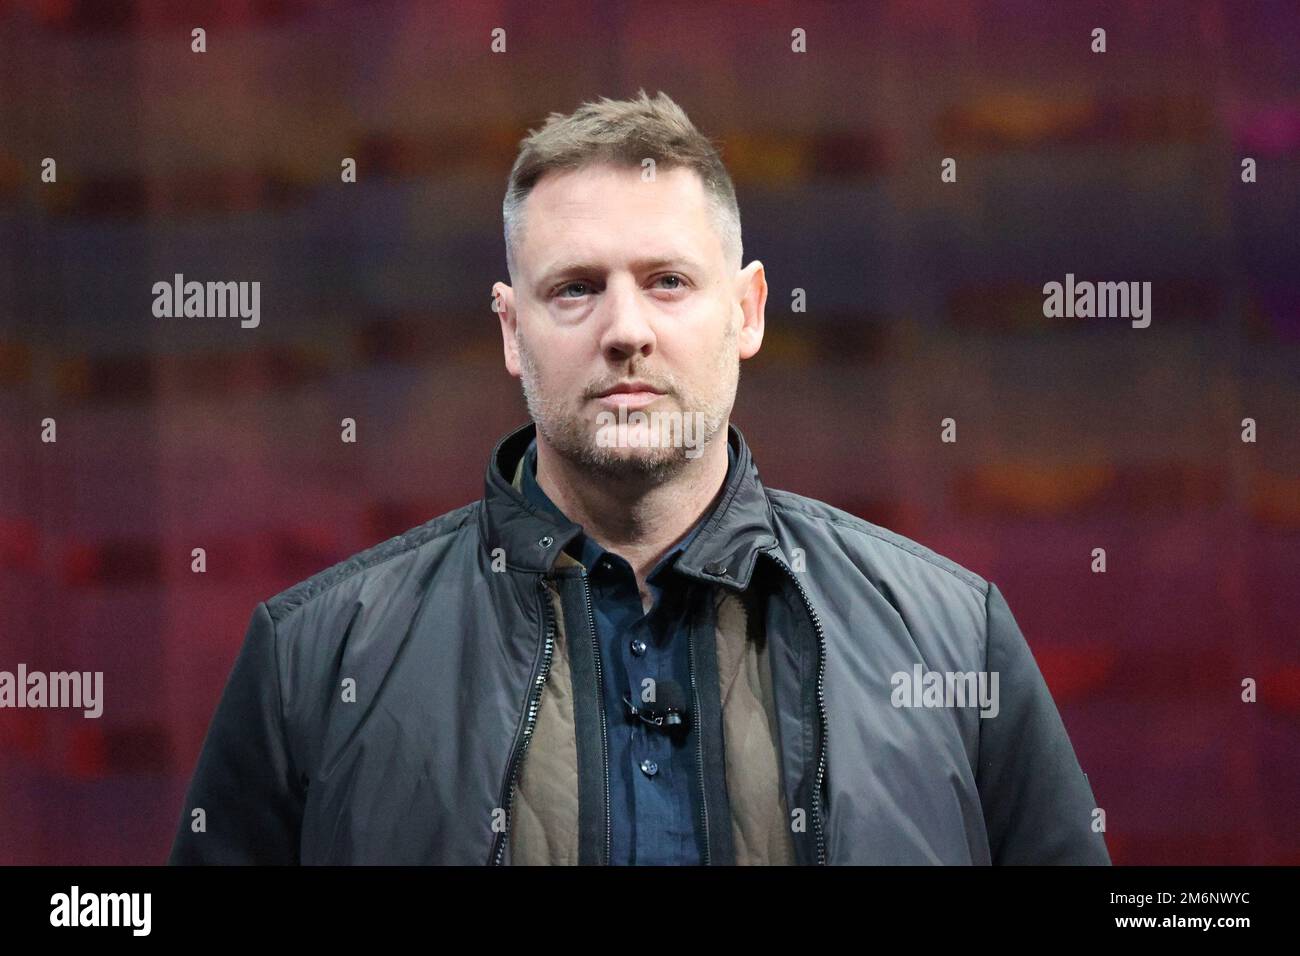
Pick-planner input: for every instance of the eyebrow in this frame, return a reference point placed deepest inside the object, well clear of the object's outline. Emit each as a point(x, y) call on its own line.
point(555, 273)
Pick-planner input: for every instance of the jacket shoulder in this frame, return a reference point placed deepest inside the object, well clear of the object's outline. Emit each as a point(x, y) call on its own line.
point(371, 560)
point(886, 547)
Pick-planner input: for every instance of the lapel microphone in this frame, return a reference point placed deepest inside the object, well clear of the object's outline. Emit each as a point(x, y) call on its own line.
point(667, 711)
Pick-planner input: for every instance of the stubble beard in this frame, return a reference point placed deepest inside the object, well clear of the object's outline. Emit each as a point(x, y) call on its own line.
point(573, 436)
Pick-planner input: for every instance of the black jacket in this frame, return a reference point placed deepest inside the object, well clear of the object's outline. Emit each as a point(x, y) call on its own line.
point(446, 660)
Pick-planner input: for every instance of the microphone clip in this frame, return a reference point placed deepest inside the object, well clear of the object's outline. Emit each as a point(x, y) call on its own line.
point(668, 718)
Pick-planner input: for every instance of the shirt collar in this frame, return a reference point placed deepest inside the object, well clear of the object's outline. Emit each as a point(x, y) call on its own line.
point(741, 527)
point(585, 548)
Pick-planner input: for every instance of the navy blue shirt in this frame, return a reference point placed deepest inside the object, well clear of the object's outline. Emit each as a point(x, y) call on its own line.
point(652, 774)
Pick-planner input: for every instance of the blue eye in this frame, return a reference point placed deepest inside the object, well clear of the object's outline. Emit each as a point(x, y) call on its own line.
point(561, 292)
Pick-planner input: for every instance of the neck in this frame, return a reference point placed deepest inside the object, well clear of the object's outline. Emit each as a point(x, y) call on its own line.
point(635, 518)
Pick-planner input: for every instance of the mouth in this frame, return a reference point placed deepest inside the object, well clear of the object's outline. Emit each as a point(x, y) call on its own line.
point(629, 395)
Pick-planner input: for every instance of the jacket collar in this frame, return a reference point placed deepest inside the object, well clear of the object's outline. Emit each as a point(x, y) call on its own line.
point(724, 550)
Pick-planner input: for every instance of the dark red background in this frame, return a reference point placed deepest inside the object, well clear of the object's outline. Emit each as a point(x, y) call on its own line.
point(924, 302)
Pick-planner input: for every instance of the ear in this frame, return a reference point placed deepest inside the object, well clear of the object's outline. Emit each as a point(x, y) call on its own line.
point(503, 303)
point(752, 291)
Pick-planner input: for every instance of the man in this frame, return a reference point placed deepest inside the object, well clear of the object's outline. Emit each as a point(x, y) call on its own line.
point(630, 651)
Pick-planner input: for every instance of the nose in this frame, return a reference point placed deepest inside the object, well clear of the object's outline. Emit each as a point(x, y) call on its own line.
point(627, 329)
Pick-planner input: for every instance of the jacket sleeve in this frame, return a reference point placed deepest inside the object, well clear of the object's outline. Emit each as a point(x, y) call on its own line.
point(245, 782)
point(1038, 805)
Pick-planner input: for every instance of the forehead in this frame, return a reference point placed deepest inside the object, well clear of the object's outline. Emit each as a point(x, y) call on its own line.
point(608, 211)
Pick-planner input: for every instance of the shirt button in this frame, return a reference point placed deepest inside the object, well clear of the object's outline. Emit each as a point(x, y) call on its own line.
point(604, 564)
point(649, 768)
point(638, 647)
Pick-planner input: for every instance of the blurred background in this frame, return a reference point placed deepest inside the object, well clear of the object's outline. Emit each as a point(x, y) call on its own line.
point(924, 302)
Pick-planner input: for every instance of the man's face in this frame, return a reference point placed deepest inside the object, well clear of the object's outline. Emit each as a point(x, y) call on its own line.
point(626, 303)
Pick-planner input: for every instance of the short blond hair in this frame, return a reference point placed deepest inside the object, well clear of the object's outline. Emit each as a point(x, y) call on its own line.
point(623, 132)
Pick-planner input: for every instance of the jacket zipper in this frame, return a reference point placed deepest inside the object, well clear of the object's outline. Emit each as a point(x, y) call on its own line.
point(534, 703)
point(821, 708)
point(699, 753)
point(600, 696)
